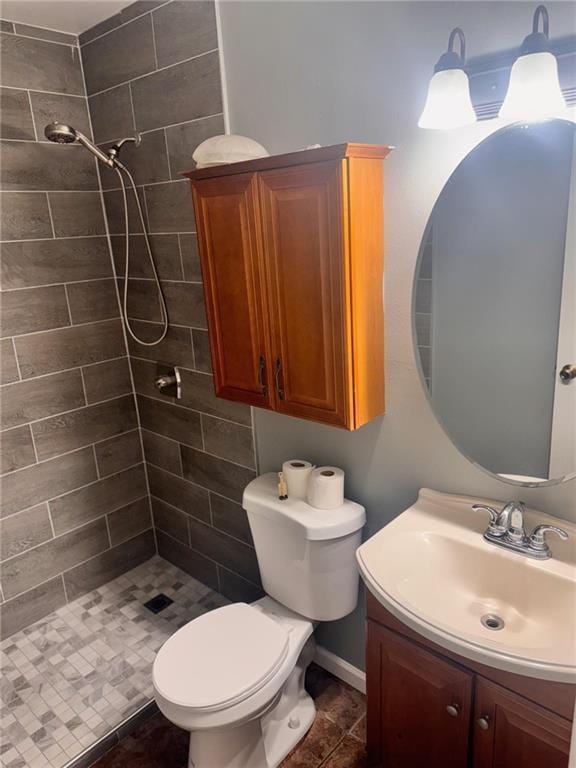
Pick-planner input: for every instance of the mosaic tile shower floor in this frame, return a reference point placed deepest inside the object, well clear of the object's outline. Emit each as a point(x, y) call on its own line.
point(74, 676)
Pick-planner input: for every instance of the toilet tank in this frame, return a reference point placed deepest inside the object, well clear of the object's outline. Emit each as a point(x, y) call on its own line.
point(306, 555)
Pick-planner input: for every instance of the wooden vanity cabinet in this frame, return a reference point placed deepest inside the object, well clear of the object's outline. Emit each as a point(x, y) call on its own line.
point(292, 257)
point(430, 708)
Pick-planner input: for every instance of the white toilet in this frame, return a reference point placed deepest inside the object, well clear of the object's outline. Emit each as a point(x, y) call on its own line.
point(234, 677)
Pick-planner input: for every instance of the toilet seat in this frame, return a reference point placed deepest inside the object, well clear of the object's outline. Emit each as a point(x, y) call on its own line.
point(221, 658)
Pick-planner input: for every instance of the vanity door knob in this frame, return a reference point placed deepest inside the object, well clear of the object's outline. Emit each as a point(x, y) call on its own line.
point(453, 710)
point(483, 722)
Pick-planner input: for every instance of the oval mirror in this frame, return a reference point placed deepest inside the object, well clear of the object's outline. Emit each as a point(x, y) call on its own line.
point(494, 312)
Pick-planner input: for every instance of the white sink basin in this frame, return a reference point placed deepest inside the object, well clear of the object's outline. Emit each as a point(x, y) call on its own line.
point(433, 570)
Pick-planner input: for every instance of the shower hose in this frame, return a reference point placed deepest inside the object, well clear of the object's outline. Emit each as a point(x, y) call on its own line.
point(118, 167)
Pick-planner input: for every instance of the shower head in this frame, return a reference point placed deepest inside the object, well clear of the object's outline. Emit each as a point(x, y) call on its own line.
point(61, 134)
point(65, 134)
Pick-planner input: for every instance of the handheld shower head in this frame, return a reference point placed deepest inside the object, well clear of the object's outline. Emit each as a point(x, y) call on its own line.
point(65, 134)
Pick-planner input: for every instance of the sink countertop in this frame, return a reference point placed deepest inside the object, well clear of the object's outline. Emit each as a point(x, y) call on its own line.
point(433, 570)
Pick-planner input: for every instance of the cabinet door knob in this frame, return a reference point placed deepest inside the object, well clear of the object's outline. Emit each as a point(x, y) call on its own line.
point(453, 710)
point(483, 722)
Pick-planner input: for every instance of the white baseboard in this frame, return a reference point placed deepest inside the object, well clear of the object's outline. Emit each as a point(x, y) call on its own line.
point(340, 668)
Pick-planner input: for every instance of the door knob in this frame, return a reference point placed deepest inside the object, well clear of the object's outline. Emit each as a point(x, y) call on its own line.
point(483, 722)
point(568, 373)
point(453, 710)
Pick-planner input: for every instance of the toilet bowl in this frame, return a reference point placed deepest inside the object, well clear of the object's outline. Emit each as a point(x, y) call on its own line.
point(234, 677)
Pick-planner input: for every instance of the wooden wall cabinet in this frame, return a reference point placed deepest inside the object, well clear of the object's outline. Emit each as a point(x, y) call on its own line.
point(429, 708)
point(292, 258)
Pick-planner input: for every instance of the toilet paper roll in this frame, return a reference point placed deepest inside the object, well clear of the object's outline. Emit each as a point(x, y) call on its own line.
point(326, 488)
point(296, 473)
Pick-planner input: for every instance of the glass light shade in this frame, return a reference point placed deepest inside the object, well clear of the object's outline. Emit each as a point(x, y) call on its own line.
point(448, 104)
point(534, 89)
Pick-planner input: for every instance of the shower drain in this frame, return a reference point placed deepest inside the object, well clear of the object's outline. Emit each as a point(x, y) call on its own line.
point(492, 621)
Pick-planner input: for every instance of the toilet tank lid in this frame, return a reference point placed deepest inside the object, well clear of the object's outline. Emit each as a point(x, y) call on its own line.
point(261, 497)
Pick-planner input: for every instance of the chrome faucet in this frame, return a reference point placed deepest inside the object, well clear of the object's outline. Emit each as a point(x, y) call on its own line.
point(506, 529)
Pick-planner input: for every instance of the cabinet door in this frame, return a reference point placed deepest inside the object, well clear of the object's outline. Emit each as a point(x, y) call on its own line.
point(511, 732)
point(226, 210)
point(419, 706)
point(303, 246)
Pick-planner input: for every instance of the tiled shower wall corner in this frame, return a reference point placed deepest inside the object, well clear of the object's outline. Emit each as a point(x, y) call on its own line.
point(154, 68)
point(75, 510)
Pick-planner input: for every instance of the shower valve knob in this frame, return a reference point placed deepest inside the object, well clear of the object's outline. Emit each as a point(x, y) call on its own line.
point(168, 380)
point(162, 382)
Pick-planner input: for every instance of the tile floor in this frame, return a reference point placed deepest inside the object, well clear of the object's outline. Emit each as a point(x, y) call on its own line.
point(336, 740)
point(74, 676)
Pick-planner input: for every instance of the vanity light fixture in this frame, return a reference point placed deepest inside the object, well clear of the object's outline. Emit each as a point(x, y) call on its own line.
point(534, 89)
point(448, 104)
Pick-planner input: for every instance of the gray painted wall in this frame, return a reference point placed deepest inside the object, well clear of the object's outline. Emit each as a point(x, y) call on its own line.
point(300, 73)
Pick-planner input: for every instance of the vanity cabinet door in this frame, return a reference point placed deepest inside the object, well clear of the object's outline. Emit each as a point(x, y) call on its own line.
point(303, 245)
point(419, 706)
point(511, 732)
point(226, 215)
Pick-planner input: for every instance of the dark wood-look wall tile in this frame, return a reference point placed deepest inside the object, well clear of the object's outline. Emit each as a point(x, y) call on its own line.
point(198, 393)
point(77, 215)
point(24, 216)
point(97, 499)
point(201, 344)
point(16, 449)
point(93, 300)
point(236, 588)
point(114, 203)
point(106, 380)
point(129, 521)
point(28, 166)
point(230, 518)
point(148, 163)
point(179, 493)
point(138, 8)
point(183, 139)
point(162, 452)
point(8, 366)
point(217, 475)
point(190, 257)
point(170, 420)
point(26, 401)
point(40, 65)
point(33, 309)
point(118, 453)
point(51, 558)
point(45, 262)
point(6, 26)
point(178, 94)
point(24, 530)
point(183, 29)
point(40, 482)
point(145, 373)
point(109, 565)
point(172, 521)
point(143, 300)
point(165, 251)
point(185, 304)
point(188, 560)
point(99, 29)
point(31, 606)
point(170, 208)
point(111, 113)
point(119, 56)
point(45, 34)
point(176, 347)
point(60, 434)
point(15, 115)
point(219, 547)
point(228, 440)
point(69, 347)
point(59, 108)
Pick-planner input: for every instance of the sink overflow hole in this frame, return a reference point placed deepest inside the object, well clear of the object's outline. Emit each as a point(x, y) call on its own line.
point(493, 622)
